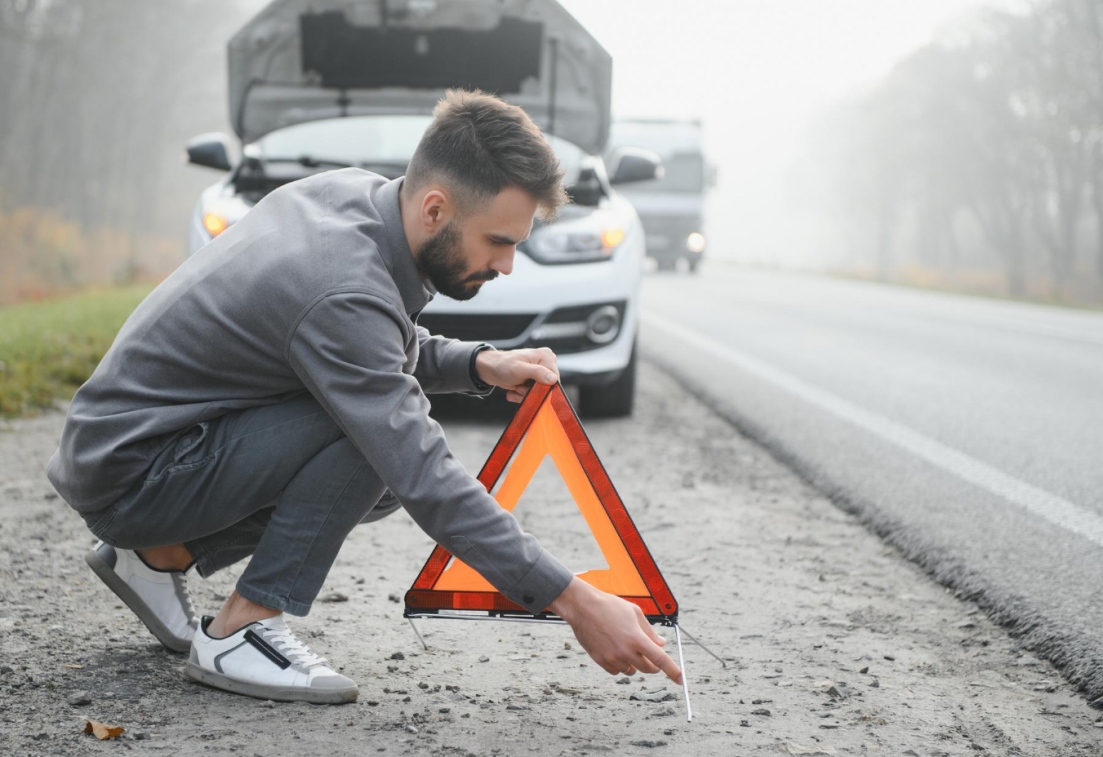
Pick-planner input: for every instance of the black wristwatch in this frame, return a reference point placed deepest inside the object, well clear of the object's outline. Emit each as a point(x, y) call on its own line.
point(481, 386)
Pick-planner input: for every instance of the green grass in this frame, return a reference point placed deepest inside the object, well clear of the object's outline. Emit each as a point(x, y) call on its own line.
point(48, 349)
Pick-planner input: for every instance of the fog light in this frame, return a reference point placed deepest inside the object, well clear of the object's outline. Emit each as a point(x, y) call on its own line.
point(695, 242)
point(603, 325)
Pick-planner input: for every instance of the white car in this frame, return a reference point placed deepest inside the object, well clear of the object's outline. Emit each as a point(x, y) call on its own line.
point(321, 84)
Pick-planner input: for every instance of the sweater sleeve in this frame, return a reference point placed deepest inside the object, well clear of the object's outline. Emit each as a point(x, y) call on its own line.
point(444, 365)
point(349, 352)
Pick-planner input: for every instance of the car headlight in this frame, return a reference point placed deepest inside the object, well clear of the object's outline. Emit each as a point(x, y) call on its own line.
point(221, 213)
point(552, 246)
point(695, 242)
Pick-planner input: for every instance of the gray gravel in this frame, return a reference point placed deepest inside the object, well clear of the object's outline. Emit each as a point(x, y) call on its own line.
point(835, 644)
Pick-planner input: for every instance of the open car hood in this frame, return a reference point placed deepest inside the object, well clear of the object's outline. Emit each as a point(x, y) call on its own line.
point(306, 60)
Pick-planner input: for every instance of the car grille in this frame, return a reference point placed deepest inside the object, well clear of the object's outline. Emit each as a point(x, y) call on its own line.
point(476, 328)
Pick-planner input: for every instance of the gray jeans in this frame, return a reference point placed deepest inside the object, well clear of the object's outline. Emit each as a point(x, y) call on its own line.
point(281, 483)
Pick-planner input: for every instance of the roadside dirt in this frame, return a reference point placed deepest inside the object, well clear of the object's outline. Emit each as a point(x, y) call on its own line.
point(834, 644)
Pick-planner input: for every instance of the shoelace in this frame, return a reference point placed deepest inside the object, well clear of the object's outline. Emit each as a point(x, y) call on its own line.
point(181, 585)
point(292, 648)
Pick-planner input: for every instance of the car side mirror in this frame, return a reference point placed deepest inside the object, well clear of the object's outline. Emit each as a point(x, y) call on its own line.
point(211, 150)
point(632, 164)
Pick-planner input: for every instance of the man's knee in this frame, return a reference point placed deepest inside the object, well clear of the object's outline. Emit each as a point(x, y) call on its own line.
point(387, 504)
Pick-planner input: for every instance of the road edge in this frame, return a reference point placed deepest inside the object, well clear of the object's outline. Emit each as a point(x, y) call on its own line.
point(1012, 613)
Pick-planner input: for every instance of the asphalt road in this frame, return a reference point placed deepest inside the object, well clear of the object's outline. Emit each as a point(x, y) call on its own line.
point(967, 431)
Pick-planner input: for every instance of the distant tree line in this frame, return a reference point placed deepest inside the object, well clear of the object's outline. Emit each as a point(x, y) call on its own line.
point(96, 102)
point(978, 161)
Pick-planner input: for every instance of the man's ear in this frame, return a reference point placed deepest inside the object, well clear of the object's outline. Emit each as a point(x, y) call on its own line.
point(436, 209)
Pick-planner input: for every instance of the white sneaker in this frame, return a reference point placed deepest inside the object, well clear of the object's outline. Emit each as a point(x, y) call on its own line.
point(265, 660)
point(158, 597)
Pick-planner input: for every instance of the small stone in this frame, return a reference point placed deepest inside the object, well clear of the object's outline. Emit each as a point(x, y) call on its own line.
point(268, 704)
point(484, 658)
point(761, 711)
point(5, 669)
point(423, 685)
point(647, 743)
point(864, 670)
point(79, 699)
point(333, 596)
point(838, 692)
point(662, 712)
point(398, 656)
point(394, 598)
point(875, 685)
point(405, 699)
point(668, 732)
point(626, 679)
point(890, 658)
point(516, 707)
point(411, 729)
point(372, 703)
point(139, 735)
point(444, 710)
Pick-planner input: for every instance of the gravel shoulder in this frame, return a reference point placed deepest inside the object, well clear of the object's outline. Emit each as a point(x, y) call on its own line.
point(834, 643)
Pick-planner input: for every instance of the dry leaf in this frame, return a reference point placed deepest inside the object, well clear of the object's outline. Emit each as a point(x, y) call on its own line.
point(72, 666)
point(103, 731)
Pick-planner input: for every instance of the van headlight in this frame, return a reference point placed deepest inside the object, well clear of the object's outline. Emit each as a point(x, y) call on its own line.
point(553, 246)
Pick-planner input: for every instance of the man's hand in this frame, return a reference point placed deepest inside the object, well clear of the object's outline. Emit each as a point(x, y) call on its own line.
point(614, 632)
point(516, 370)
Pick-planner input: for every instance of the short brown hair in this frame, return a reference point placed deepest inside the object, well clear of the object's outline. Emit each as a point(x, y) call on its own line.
point(477, 145)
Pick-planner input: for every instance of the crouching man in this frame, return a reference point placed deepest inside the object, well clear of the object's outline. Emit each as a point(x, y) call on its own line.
point(263, 399)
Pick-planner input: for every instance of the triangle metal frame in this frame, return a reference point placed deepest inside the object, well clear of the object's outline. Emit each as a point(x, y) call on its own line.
point(422, 600)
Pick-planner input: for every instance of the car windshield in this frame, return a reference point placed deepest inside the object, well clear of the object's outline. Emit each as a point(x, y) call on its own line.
point(373, 142)
point(682, 172)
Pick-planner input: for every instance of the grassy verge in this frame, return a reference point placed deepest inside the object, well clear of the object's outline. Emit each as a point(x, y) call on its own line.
point(48, 349)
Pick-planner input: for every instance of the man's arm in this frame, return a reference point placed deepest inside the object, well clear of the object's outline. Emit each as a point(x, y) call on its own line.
point(444, 365)
point(349, 352)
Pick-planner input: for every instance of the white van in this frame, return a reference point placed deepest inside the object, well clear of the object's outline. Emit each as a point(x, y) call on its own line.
point(671, 205)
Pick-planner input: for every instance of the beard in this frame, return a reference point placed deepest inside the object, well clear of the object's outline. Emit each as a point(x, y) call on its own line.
point(440, 260)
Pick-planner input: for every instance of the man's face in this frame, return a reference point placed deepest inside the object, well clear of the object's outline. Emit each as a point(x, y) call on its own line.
point(467, 252)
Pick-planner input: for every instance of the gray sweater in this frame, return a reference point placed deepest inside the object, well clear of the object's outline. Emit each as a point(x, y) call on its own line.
point(316, 290)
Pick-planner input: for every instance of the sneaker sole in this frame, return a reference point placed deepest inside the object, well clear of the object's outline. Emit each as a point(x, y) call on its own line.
point(276, 693)
point(131, 599)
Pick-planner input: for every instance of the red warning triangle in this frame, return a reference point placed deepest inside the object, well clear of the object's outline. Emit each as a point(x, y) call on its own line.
point(546, 426)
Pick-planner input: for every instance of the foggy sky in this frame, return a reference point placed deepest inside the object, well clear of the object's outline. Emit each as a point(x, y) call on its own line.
point(755, 71)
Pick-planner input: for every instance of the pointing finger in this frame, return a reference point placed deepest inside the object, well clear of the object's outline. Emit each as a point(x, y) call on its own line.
point(664, 663)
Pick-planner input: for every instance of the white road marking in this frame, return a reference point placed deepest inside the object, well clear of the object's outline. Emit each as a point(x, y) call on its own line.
point(1052, 508)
